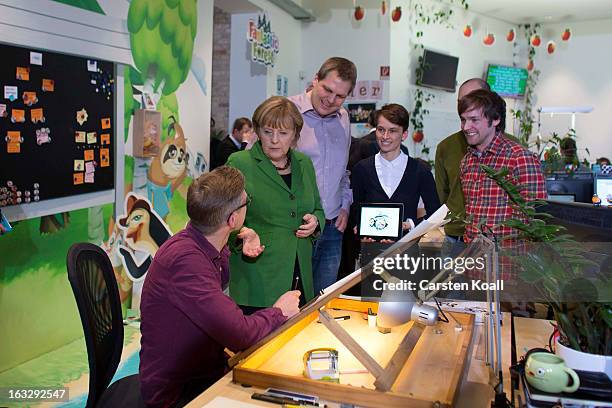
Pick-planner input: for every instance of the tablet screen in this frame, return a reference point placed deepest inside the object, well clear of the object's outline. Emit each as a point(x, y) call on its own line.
point(381, 220)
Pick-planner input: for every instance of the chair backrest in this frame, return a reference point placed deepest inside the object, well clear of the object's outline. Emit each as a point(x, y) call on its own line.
point(93, 282)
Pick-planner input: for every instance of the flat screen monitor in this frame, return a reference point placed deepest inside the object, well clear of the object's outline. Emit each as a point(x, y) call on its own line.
point(603, 188)
point(580, 185)
point(438, 71)
point(508, 82)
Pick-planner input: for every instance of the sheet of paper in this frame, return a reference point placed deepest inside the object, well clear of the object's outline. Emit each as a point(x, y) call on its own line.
point(88, 155)
point(91, 137)
point(10, 93)
point(89, 177)
point(12, 147)
point(23, 73)
point(104, 157)
point(37, 115)
point(79, 137)
point(48, 85)
point(35, 58)
point(77, 178)
point(79, 165)
point(106, 123)
point(90, 167)
point(13, 136)
point(223, 402)
point(92, 66)
point(105, 138)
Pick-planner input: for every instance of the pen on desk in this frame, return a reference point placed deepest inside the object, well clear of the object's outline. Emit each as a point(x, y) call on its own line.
point(297, 281)
point(345, 317)
point(284, 400)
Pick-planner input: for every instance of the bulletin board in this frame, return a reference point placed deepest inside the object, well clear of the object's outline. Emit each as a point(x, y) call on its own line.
point(57, 136)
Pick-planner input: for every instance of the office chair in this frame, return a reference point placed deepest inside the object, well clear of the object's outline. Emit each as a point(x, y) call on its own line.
point(95, 289)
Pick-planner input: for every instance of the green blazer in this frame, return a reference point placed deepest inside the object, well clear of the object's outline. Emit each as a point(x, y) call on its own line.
point(275, 213)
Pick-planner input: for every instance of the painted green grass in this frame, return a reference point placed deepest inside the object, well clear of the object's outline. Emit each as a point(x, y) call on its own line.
point(55, 368)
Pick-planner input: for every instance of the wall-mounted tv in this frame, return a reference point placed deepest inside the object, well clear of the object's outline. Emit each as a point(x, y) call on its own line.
point(438, 71)
point(508, 82)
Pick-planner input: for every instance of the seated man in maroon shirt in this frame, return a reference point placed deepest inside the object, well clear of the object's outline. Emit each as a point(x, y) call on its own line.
point(187, 319)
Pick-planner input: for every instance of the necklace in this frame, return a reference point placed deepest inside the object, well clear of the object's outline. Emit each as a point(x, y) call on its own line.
point(286, 166)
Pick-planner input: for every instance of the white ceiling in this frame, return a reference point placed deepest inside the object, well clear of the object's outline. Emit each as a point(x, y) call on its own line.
point(543, 11)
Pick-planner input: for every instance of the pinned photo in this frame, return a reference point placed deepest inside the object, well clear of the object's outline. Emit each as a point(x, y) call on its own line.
point(88, 155)
point(89, 177)
point(104, 157)
point(105, 138)
point(48, 85)
point(90, 167)
point(3, 112)
point(106, 123)
point(79, 137)
point(37, 115)
point(77, 178)
point(92, 137)
point(79, 165)
point(23, 73)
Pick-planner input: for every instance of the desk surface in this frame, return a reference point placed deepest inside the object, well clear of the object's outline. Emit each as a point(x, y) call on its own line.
point(475, 391)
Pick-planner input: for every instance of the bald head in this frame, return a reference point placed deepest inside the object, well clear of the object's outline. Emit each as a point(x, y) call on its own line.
point(471, 85)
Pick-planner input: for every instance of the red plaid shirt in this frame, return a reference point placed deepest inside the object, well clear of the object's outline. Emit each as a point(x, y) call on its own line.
point(484, 199)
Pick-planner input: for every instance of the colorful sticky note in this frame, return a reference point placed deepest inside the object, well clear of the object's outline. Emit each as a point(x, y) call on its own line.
point(79, 137)
point(29, 98)
point(90, 167)
point(10, 93)
point(105, 138)
point(23, 73)
point(104, 157)
point(35, 58)
point(88, 155)
point(91, 137)
point(48, 85)
point(13, 136)
point(13, 147)
point(89, 177)
point(79, 165)
point(17, 116)
point(37, 115)
point(106, 123)
point(77, 178)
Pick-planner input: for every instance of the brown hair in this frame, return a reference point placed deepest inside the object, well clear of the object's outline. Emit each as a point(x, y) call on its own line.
point(213, 196)
point(396, 114)
point(240, 122)
point(278, 112)
point(492, 105)
point(347, 71)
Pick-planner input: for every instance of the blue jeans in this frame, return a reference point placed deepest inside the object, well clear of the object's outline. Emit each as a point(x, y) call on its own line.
point(326, 256)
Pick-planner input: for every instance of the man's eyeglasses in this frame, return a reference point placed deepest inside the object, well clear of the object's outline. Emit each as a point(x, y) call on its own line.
point(392, 132)
point(245, 204)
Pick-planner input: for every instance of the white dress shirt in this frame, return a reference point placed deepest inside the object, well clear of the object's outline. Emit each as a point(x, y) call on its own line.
point(390, 173)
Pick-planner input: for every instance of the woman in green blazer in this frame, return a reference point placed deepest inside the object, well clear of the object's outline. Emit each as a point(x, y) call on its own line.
point(285, 210)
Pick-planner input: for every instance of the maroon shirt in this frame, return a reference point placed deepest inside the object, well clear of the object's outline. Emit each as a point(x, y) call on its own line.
point(187, 320)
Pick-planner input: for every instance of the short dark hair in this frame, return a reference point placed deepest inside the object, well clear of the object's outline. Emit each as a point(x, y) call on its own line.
point(213, 196)
point(347, 71)
point(396, 114)
point(481, 82)
point(372, 118)
point(240, 122)
point(492, 105)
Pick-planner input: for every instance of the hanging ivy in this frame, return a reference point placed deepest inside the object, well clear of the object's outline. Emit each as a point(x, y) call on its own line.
point(525, 115)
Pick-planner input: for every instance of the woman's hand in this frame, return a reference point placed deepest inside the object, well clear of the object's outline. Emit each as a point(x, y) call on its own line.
point(251, 246)
point(308, 227)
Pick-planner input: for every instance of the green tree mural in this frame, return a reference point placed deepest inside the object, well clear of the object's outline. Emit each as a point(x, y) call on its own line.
point(91, 5)
point(168, 106)
point(162, 33)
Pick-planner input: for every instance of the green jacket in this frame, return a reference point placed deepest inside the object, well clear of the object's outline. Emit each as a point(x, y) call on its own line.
point(449, 153)
point(275, 213)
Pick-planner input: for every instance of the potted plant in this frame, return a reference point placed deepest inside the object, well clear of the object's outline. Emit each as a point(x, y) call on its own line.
point(556, 266)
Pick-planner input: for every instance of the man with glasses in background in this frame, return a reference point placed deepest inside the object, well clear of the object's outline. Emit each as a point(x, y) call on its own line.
point(187, 319)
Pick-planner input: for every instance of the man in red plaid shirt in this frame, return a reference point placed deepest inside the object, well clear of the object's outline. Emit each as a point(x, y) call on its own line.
point(483, 120)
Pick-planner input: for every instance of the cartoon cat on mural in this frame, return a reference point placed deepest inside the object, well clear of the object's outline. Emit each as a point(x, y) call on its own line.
point(168, 170)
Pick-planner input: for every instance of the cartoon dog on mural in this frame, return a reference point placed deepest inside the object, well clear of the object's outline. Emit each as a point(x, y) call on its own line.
point(168, 170)
point(144, 232)
point(111, 247)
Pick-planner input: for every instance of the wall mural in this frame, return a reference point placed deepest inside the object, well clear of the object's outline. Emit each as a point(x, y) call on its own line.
point(34, 291)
